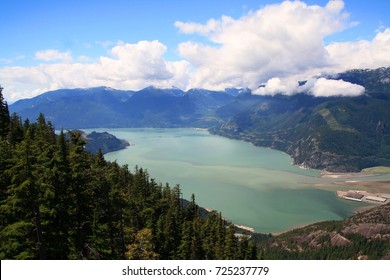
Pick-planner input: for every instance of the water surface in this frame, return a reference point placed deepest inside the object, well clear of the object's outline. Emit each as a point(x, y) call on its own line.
point(252, 186)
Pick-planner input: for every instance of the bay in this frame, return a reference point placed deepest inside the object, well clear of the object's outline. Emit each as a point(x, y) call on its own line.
point(251, 186)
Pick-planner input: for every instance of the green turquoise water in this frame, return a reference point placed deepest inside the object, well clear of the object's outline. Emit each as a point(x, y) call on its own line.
point(251, 186)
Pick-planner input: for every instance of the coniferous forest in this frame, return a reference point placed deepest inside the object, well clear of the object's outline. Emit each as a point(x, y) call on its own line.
point(60, 202)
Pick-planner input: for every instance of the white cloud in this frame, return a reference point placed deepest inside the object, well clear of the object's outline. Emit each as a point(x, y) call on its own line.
point(128, 66)
point(84, 58)
point(335, 6)
point(280, 44)
point(361, 54)
point(53, 55)
point(12, 59)
point(6, 60)
point(275, 41)
point(212, 27)
point(105, 44)
point(319, 87)
point(277, 86)
point(143, 60)
point(325, 88)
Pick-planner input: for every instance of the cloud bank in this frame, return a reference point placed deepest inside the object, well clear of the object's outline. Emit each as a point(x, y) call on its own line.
point(127, 66)
point(325, 88)
point(319, 87)
point(276, 45)
point(279, 45)
point(276, 41)
point(362, 53)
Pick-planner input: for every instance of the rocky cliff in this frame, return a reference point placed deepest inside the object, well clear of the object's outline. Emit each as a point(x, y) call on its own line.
point(365, 235)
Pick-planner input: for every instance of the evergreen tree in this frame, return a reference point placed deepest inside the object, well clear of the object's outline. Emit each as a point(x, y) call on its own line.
point(197, 252)
point(230, 248)
point(81, 194)
point(142, 247)
point(60, 180)
point(185, 248)
point(121, 219)
point(102, 239)
point(247, 248)
point(16, 131)
point(22, 208)
point(4, 116)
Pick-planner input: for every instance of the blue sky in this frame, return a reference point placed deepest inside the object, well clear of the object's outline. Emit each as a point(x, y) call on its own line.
point(214, 44)
point(80, 26)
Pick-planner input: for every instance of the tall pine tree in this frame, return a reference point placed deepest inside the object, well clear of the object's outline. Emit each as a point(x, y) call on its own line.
point(4, 116)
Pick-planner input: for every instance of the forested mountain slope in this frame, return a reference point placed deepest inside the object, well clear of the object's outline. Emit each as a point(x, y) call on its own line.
point(58, 201)
point(107, 107)
point(365, 235)
point(333, 133)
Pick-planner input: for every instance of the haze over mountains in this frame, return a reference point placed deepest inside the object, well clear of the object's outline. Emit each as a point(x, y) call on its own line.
point(335, 133)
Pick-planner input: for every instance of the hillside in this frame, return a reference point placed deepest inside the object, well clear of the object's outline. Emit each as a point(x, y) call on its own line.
point(363, 236)
point(107, 107)
point(76, 108)
point(339, 134)
point(103, 141)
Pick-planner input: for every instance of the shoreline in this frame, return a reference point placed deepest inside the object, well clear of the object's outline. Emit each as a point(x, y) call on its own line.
point(245, 228)
point(358, 211)
point(351, 175)
point(363, 181)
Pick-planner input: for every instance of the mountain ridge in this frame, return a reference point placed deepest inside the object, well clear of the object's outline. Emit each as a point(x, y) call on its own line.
point(336, 133)
point(339, 134)
point(106, 107)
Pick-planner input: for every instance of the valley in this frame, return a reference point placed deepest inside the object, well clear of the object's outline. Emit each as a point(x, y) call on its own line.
point(336, 133)
point(272, 186)
point(195, 130)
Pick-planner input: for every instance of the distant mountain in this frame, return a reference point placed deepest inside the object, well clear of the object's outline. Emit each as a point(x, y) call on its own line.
point(107, 107)
point(333, 133)
point(76, 108)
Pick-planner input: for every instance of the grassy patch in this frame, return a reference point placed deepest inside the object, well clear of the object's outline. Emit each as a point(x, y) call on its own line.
point(377, 170)
point(333, 123)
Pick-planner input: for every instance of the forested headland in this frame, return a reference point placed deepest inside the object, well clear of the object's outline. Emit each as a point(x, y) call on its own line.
point(58, 201)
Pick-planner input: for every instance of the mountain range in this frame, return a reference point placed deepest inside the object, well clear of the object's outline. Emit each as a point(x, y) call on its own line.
point(332, 133)
point(107, 107)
